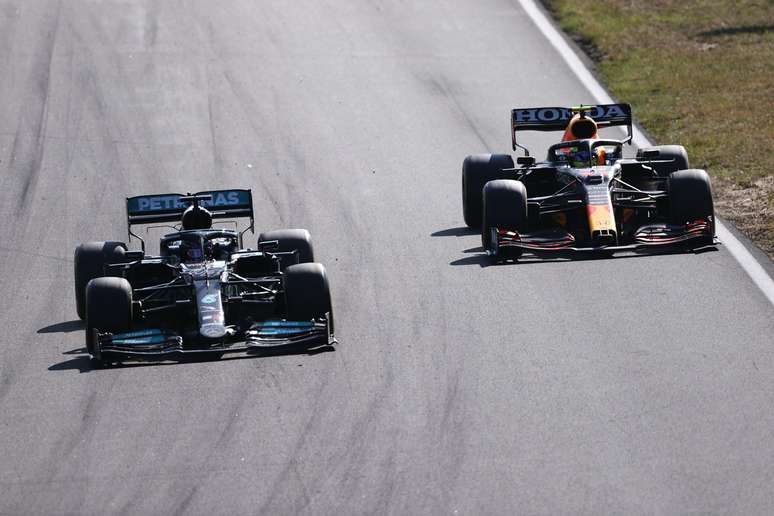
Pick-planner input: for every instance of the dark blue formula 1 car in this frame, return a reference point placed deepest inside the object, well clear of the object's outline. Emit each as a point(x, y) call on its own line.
point(585, 196)
point(203, 293)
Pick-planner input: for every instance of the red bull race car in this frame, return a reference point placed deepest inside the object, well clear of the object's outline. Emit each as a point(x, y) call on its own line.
point(203, 293)
point(585, 196)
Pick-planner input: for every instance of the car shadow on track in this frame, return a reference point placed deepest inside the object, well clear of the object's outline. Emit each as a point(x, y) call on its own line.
point(480, 258)
point(63, 327)
point(455, 232)
point(483, 260)
point(83, 363)
point(477, 254)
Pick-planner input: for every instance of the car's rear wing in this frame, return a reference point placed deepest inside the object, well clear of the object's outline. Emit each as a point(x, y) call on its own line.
point(557, 118)
point(161, 208)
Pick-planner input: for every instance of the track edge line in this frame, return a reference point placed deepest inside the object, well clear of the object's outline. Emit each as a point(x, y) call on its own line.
point(746, 260)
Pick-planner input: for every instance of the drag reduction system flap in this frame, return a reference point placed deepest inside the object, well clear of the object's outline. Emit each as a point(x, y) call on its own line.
point(557, 118)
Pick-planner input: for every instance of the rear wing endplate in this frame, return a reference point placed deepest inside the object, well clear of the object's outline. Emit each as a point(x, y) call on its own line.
point(557, 118)
point(161, 208)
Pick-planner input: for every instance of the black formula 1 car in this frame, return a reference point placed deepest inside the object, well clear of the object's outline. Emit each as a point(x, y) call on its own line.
point(585, 196)
point(204, 293)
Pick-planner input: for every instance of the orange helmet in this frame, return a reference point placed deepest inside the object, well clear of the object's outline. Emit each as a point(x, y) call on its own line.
point(601, 155)
point(579, 128)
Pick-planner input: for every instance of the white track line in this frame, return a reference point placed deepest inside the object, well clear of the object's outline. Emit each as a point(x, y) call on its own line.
point(754, 269)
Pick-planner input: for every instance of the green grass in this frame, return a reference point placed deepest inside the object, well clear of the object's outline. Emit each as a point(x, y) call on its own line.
point(698, 73)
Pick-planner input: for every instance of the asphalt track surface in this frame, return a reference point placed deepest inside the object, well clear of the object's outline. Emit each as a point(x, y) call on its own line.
point(627, 385)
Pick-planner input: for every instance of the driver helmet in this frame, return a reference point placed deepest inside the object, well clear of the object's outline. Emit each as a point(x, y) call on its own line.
point(600, 155)
point(197, 217)
point(580, 128)
point(578, 156)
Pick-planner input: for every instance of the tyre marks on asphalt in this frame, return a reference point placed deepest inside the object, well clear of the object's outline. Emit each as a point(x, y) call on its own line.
point(28, 147)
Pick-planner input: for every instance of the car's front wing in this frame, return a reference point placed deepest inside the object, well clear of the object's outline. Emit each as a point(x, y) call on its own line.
point(155, 344)
point(559, 241)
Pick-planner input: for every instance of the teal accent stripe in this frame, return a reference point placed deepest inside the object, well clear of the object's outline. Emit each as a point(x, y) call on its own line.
point(139, 333)
point(278, 328)
point(139, 338)
point(140, 341)
point(286, 324)
point(280, 331)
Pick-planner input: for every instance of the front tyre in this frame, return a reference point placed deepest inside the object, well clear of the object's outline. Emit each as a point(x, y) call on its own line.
point(505, 207)
point(477, 170)
point(690, 199)
point(108, 309)
point(307, 293)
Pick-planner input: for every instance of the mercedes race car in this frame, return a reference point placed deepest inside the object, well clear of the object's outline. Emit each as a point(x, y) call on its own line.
point(203, 293)
point(585, 196)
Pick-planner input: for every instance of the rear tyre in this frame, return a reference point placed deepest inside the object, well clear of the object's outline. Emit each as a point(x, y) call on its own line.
point(477, 170)
point(505, 207)
point(676, 153)
point(690, 198)
point(108, 309)
point(292, 240)
point(90, 260)
point(307, 294)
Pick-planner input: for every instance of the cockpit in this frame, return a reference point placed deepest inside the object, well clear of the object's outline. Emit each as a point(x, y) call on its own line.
point(199, 246)
point(585, 153)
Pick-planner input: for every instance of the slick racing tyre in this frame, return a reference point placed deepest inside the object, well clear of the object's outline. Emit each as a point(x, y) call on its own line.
point(108, 309)
point(292, 240)
point(307, 294)
point(477, 170)
point(90, 260)
point(675, 153)
point(690, 198)
point(505, 207)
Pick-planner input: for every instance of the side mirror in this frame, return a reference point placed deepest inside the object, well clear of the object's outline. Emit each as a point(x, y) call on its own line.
point(526, 161)
point(268, 246)
point(651, 154)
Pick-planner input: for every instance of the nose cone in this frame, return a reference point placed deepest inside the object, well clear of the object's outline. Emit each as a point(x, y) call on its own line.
point(210, 308)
